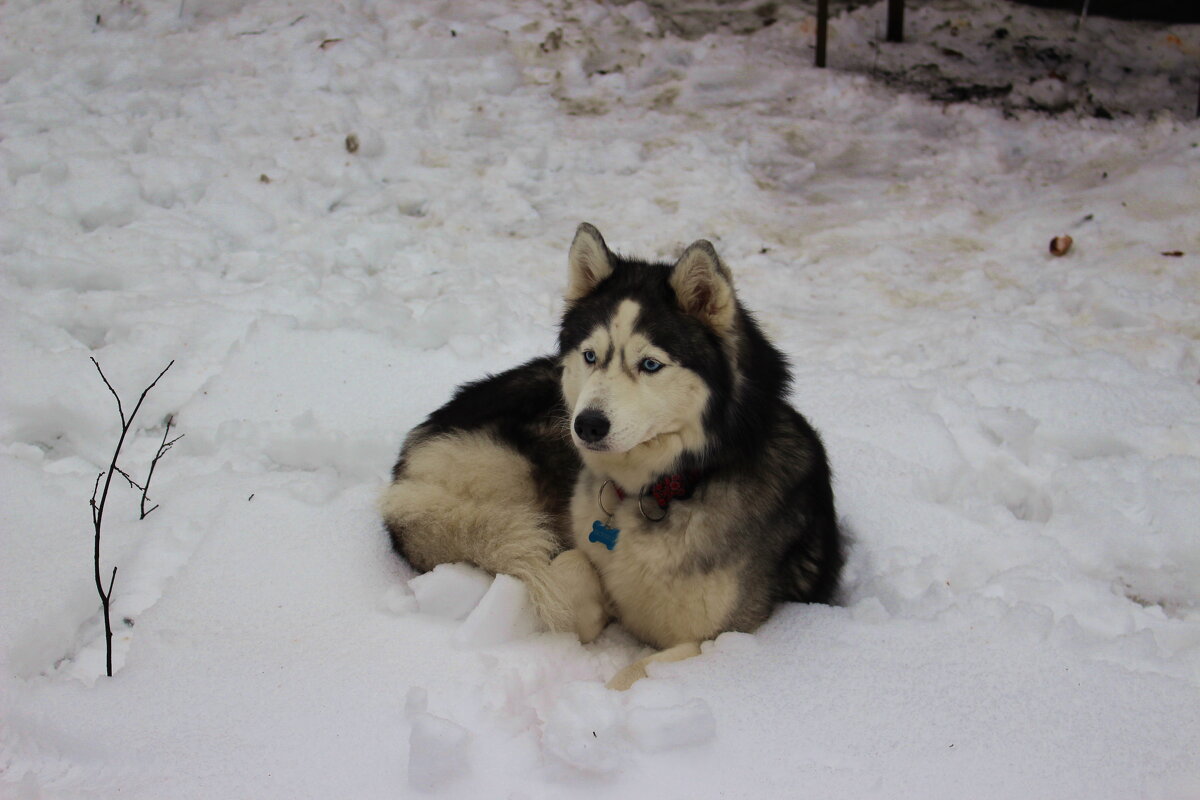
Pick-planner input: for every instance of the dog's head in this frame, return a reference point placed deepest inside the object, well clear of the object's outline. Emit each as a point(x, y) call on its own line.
point(646, 350)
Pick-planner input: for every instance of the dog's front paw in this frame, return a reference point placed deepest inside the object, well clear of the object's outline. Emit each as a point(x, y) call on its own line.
point(581, 585)
point(637, 670)
point(590, 620)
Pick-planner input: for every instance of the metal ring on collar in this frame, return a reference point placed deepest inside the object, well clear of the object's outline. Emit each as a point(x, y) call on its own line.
point(642, 509)
point(600, 499)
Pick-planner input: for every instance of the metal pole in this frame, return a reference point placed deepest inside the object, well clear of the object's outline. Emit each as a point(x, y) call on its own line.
point(822, 30)
point(895, 21)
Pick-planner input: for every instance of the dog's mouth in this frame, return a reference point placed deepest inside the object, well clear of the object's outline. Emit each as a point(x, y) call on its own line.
point(601, 446)
point(604, 446)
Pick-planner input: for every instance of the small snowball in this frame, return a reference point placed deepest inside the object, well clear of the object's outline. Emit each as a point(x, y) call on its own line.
point(450, 590)
point(583, 728)
point(672, 726)
point(437, 751)
point(504, 613)
point(399, 600)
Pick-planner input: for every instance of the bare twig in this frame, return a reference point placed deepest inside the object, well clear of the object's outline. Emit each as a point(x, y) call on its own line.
point(120, 410)
point(162, 451)
point(132, 483)
point(98, 507)
point(96, 488)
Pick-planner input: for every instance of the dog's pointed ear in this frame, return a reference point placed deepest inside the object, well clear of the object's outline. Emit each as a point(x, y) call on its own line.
point(704, 287)
point(589, 262)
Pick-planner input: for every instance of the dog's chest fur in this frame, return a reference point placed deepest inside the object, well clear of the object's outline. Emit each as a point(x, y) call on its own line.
point(658, 586)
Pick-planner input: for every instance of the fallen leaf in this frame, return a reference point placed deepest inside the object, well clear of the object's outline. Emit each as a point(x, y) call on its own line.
point(1059, 245)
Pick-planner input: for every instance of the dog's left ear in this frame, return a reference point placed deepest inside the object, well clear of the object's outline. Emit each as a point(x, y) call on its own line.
point(589, 262)
point(704, 287)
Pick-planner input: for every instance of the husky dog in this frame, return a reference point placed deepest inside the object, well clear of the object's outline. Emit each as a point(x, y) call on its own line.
point(652, 471)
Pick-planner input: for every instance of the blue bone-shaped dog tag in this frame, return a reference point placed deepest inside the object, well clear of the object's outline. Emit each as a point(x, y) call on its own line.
point(603, 534)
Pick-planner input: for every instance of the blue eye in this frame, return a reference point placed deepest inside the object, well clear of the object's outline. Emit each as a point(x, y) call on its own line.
point(589, 356)
point(650, 365)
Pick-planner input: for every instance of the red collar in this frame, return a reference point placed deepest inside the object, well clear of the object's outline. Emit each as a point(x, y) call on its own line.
point(681, 485)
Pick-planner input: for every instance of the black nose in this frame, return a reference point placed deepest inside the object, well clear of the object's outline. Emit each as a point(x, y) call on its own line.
point(591, 426)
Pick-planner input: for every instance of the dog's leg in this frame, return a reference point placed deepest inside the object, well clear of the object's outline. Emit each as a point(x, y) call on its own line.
point(577, 580)
point(432, 525)
point(637, 670)
point(468, 497)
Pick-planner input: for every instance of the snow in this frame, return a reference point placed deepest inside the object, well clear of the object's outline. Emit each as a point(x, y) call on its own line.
point(664, 727)
point(504, 613)
point(1015, 436)
point(437, 751)
point(450, 590)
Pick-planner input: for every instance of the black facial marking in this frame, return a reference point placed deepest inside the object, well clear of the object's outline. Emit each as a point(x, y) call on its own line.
point(623, 363)
point(688, 343)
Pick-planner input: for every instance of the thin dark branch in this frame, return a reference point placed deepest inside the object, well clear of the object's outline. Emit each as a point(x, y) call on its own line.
point(162, 451)
point(98, 507)
point(120, 408)
point(146, 391)
point(95, 489)
point(104, 598)
point(132, 483)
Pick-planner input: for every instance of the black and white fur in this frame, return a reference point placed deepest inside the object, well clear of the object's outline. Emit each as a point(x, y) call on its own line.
point(659, 371)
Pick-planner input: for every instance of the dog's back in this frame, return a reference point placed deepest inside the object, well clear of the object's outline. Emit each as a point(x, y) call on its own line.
point(486, 479)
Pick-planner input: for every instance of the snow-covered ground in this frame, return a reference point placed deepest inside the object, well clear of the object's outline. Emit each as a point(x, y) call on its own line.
point(1016, 437)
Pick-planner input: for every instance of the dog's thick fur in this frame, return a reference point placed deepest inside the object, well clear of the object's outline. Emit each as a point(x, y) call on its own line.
point(659, 371)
